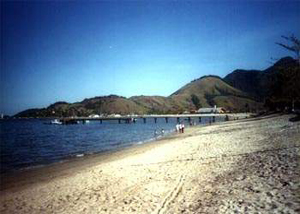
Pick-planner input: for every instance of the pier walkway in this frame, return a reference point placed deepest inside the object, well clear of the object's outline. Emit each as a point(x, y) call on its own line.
point(134, 118)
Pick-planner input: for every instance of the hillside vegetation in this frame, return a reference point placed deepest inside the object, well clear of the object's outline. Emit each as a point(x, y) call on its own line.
point(277, 86)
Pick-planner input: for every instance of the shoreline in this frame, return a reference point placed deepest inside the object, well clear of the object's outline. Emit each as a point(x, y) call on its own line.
point(69, 166)
point(240, 166)
point(13, 169)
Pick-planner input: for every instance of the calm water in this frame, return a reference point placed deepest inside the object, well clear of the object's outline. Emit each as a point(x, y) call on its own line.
point(29, 143)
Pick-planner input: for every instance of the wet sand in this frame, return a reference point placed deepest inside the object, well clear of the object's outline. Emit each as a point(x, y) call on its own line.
point(243, 166)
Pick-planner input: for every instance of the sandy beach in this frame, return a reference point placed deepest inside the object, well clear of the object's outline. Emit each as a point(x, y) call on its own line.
point(244, 166)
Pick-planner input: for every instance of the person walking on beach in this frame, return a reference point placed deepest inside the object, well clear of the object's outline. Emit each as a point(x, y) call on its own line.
point(182, 128)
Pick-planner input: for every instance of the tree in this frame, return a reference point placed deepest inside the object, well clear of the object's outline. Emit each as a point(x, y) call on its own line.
point(289, 76)
point(247, 107)
point(294, 47)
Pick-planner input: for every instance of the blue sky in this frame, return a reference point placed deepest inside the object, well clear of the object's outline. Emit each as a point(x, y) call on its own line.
point(68, 51)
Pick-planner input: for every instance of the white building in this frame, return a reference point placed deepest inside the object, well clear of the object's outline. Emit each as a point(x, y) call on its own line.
point(211, 110)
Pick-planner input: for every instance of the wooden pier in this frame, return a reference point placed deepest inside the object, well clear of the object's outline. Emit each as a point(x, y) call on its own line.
point(133, 118)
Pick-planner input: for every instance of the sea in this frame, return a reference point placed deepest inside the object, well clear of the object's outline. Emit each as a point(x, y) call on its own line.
point(30, 143)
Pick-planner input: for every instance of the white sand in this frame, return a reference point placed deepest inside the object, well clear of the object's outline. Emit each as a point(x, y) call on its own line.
point(247, 166)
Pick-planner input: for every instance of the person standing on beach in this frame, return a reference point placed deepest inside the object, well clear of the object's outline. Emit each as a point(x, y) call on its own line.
point(177, 127)
point(182, 128)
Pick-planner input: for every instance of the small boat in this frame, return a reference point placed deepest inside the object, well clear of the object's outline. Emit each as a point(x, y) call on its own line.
point(56, 122)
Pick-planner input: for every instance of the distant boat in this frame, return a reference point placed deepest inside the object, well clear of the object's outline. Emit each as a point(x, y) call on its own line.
point(56, 122)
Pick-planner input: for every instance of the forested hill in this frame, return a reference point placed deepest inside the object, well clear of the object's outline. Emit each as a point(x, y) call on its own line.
point(277, 86)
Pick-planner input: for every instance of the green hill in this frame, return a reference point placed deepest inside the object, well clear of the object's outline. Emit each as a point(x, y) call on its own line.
point(98, 105)
point(212, 90)
point(277, 86)
point(156, 104)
